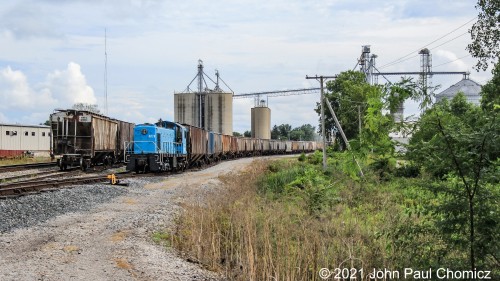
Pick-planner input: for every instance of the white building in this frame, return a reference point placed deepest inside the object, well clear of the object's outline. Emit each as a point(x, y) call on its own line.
point(17, 140)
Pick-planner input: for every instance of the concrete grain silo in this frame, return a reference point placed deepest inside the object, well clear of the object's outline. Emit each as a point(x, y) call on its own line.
point(219, 113)
point(186, 109)
point(210, 109)
point(261, 121)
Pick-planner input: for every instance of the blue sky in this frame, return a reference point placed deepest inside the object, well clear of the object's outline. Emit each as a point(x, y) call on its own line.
point(52, 51)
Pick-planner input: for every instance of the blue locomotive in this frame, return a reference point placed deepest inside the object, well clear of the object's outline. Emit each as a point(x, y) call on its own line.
point(157, 147)
point(170, 146)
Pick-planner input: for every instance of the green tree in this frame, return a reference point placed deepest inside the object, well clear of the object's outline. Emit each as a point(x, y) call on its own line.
point(281, 132)
point(490, 93)
point(247, 134)
point(485, 34)
point(87, 107)
point(458, 143)
point(304, 133)
point(362, 109)
point(347, 94)
point(236, 134)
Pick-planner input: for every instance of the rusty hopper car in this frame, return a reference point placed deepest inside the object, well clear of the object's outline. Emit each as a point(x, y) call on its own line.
point(83, 138)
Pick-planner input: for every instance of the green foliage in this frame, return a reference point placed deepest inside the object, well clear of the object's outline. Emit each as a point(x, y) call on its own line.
point(459, 145)
point(87, 107)
point(247, 134)
point(361, 109)
point(285, 132)
point(464, 129)
point(485, 34)
point(236, 134)
point(490, 93)
point(346, 93)
point(302, 157)
point(160, 237)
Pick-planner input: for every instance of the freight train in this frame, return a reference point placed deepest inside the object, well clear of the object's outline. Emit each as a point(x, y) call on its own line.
point(82, 138)
point(170, 146)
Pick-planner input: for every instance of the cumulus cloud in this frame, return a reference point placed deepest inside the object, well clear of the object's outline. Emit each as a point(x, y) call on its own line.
point(61, 88)
point(15, 90)
point(69, 86)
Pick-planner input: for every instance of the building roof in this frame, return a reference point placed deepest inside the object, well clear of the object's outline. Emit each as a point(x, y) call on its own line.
point(24, 125)
point(469, 88)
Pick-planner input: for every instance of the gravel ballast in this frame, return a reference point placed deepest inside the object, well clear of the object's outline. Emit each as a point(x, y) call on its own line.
point(104, 232)
point(33, 209)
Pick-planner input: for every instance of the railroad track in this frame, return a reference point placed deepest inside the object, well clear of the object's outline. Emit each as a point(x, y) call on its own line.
point(37, 186)
point(33, 177)
point(12, 168)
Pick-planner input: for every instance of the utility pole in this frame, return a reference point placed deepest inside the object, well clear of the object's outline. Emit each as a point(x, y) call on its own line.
point(321, 80)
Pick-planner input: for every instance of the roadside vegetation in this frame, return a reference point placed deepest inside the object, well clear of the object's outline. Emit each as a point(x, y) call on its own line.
point(434, 207)
point(433, 203)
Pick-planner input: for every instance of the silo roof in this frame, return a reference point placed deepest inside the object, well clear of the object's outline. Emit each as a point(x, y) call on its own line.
point(469, 88)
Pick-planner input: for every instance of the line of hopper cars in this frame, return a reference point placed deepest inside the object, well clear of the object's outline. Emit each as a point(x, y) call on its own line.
point(83, 139)
point(170, 146)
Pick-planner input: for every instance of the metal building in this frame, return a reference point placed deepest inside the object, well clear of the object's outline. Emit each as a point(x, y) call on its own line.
point(210, 109)
point(470, 89)
point(18, 140)
point(261, 120)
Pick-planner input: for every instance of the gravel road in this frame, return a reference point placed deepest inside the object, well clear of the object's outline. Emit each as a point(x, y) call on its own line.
point(102, 232)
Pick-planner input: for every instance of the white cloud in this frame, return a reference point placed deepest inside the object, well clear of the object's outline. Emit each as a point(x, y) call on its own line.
point(15, 92)
point(452, 59)
point(69, 86)
point(61, 88)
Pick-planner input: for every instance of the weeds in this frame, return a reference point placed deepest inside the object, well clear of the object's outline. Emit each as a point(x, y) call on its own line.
point(285, 220)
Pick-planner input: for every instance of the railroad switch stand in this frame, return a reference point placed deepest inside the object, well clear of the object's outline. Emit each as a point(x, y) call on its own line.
point(114, 181)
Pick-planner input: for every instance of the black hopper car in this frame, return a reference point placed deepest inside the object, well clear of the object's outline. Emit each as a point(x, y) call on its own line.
point(83, 138)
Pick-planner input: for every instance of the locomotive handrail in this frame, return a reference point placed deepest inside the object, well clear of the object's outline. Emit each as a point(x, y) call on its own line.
point(175, 146)
point(130, 145)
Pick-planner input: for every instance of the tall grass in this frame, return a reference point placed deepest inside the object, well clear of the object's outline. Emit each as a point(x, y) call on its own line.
point(288, 224)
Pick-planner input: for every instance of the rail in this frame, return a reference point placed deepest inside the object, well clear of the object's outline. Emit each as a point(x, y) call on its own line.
point(19, 167)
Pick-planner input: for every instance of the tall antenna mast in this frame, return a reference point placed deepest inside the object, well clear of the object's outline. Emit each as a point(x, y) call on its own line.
point(105, 74)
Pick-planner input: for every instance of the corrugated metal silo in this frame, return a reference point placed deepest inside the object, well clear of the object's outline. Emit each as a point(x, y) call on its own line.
point(261, 121)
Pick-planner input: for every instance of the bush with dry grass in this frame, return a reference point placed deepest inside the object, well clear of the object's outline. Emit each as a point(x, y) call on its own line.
point(285, 220)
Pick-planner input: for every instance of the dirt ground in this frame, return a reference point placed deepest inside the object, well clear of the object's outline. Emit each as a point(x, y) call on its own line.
point(114, 240)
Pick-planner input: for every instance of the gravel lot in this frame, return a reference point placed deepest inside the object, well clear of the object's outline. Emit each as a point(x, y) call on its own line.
point(103, 232)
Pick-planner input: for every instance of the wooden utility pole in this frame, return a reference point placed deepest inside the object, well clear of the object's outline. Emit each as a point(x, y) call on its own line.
point(337, 123)
point(321, 80)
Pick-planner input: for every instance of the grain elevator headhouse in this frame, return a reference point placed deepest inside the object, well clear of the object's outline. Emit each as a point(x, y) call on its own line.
point(210, 109)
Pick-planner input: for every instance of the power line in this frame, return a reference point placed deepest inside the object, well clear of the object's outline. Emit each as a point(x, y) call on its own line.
point(404, 57)
point(450, 40)
point(451, 61)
